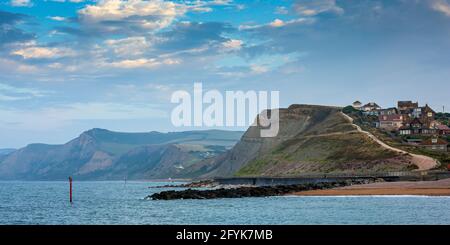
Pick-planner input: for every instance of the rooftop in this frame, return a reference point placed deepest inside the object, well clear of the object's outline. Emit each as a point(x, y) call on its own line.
point(434, 141)
point(442, 127)
point(393, 117)
point(372, 104)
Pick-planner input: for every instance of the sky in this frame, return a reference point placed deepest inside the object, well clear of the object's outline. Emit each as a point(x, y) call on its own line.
point(67, 66)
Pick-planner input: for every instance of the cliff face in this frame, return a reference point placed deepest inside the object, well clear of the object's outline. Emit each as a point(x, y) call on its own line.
point(103, 154)
point(311, 139)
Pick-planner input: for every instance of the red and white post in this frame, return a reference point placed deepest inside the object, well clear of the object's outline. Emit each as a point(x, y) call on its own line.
point(70, 192)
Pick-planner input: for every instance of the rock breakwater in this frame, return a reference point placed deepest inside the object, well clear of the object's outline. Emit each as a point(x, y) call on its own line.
point(261, 191)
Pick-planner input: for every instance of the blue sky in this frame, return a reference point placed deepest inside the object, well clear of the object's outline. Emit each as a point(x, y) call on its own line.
point(70, 65)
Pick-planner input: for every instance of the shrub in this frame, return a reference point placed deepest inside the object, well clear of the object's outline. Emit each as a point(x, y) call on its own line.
point(349, 110)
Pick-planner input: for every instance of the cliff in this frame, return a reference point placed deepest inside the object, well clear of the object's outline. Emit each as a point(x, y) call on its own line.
point(104, 154)
point(311, 139)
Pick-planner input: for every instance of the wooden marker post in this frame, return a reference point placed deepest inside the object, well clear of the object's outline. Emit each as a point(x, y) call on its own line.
point(70, 192)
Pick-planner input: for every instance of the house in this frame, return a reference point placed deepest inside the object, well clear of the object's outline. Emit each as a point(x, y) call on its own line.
point(371, 109)
point(407, 105)
point(388, 111)
point(405, 130)
point(428, 112)
point(372, 106)
point(428, 131)
point(416, 127)
point(415, 123)
point(416, 112)
point(408, 130)
point(435, 123)
point(414, 141)
point(406, 108)
point(435, 144)
point(443, 129)
point(428, 115)
point(357, 105)
point(391, 122)
point(425, 113)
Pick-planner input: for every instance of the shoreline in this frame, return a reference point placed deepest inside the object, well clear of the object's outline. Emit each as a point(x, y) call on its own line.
point(407, 188)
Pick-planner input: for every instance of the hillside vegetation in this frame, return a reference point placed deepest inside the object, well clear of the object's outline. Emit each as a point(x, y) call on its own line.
point(312, 139)
point(393, 139)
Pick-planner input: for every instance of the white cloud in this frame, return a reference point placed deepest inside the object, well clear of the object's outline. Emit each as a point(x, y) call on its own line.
point(259, 69)
point(55, 65)
point(12, 93)
point(142, 63)
point(131, 46)
point(129, 15)
point(4, 97)
point(57, 18)
point(442, 6)
point(264, 63)
point(21, 3)
point(278, 23)
point(315, 7)
point(207, 6)
point(62, 67)
point(159, 87)
point(72, 1)
point(233, 44)
point(220, 2)
point(201, 9)
point(160, 13)
point(14, 67)
point(240, 7)
point(281, 10)
point(36, 52)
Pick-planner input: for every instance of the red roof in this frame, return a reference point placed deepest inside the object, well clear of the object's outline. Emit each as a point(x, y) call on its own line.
point(434, 142)
point(393, 117)
point(442, 127)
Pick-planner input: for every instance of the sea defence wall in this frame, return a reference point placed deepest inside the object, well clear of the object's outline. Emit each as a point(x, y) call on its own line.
point(323, 178)
point(272, 181)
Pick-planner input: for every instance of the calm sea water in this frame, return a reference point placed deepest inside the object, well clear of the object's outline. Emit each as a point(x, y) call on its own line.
point(120, 203)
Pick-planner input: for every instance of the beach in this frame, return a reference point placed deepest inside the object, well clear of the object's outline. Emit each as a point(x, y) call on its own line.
point(423, 188)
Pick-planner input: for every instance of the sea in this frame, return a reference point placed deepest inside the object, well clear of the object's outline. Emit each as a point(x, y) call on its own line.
point(120, 202)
